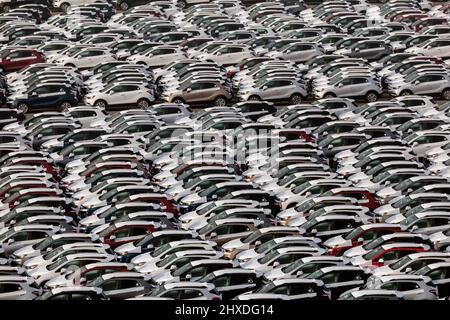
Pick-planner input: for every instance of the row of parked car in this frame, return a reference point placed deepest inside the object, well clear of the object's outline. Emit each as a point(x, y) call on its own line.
point(220, 52)
point(244, 199)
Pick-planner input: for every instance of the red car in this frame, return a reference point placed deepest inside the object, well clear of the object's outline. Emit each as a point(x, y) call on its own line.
point(426, 22)
point(365, 198)
point(16, 59)
point(128, 231)
point(388, 253)
point(157, 198)
point(91, 271)
point(358, 236)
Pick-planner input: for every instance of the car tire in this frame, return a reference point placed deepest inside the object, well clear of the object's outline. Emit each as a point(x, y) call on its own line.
point(220, 101)
point(124, 6)
point(446, 94)
point(182, 4)
point(70, 65)
point(371, 96)
point(64, 7)
point(101, 104)
point(64, 106)
point(23, 107)
point(254, 98)
point(406, 93)
point(6, 8)
point(329, 95)
point(143, 104)
point(178, 101)
point(296, 99)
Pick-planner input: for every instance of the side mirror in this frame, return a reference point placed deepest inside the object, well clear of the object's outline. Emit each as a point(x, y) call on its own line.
point(188, 276)
point(213, 234)
point(381, 261)
point(360, 239)
point(63, 270)
point(414, 228)
point(408, 270)
point(214, 196)
point(83, 280)
point(257, 243)
point(48, 249)
point(112, 237)
point(313, 231)
point(276, 264)
point(150, 246)
point(409, 190)
point(173, 267)
point(113, 218)
point(386, 183)
point(34, 93)
point(12, 222)
point(188, 90)
point(299, 273)
point(10, 240)
point(265, 87)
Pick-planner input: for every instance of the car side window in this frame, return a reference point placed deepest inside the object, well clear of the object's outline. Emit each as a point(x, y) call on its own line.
point(174, 294)
point(9, 287)
point(281, 290)
point(191, 294)
point(222, 281)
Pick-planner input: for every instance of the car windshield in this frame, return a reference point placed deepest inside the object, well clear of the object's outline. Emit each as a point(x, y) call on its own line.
point(372, 254)
point(352, 234)
point(252, 237)
point(57, 263)
point(167, 260)
point(265, 246)
point(43, 244)
point(53, 253)
point(400, 263)
point(269, 256)
point(374, 243)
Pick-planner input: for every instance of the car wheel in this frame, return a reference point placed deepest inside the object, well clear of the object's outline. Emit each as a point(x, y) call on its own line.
point(446, 94)
point(100, 103)
point(178, 101)
point(124, 6)
point(143, 104)
point(70, 65)
point(65, 106)
point(254, 98)
point(329, 95)
point(371, 96)
point(296, 99)
point(6, 8)
point(406, 93)
point(23, 107)
point(182, 4)
point(220, 101)
point(64, 6)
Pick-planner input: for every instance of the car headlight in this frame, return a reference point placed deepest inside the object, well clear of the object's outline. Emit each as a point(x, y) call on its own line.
point(32, 267)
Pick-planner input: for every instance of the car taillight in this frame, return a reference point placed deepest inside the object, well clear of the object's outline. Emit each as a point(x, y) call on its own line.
point(216, 298)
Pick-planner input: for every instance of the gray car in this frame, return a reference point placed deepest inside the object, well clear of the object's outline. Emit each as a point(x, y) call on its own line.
point(355, 86)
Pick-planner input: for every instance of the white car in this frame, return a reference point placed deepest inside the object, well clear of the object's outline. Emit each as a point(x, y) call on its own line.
point(439, 47)
point(121, 94)
point(228, 54)
point(158, 56)
point(87, 58)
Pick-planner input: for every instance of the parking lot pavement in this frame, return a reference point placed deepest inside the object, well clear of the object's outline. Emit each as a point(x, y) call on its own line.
point(225, 150)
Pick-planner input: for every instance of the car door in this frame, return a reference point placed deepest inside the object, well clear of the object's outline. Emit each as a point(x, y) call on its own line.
point(277, 90)
point(346, 280)
point(11, 291)
point(128, 94)
point(441, 279)
point(122, 288)
point(428, 84)
point(410, 289)
point(125, 235)
point(432, 225)
point(237, 284)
